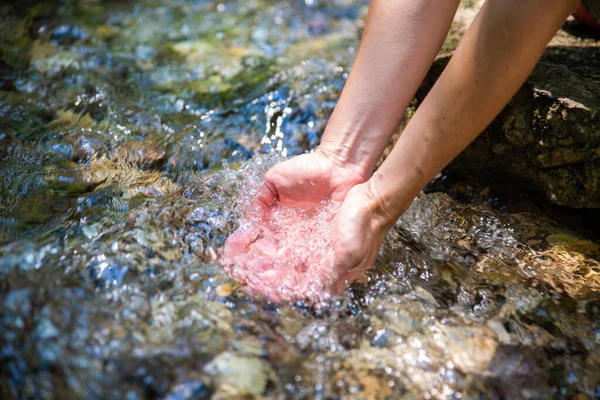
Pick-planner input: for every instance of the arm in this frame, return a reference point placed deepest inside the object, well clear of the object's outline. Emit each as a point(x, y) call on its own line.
point(399, 43)
point(493, 60)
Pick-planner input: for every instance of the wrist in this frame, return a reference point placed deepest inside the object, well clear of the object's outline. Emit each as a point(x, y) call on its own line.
point(355, 139)
point(341, 158)
point(388, 200)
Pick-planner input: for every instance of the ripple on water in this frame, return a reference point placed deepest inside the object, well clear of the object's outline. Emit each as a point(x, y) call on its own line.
point(125, 134)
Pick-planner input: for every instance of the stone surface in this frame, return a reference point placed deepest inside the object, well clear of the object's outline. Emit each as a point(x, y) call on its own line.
point(238, 376)
point(547, 139)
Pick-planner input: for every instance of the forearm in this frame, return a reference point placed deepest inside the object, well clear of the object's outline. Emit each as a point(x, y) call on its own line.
point(493, 60)
point(399, 43)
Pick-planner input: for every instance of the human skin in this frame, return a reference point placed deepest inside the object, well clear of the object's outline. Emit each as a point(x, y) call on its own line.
point(497, 53)
point(400, 41)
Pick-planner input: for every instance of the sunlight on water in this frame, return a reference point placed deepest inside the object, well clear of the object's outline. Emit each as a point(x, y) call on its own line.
point(132, 135)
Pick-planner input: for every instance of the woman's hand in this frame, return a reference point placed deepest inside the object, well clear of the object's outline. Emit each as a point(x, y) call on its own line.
point(281, 246)
point(359, 231)
point(310, 178)
point(364, 216)
point(360, 227)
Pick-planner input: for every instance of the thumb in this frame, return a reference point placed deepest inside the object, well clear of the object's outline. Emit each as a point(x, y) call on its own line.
point(266, 193)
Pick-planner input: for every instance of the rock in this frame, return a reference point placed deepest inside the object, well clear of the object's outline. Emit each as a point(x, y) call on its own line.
point(472, 349)
point(547, 139)
point(145, 155)
point(224, 290)
point(517, 372)
point(572, 243)
point(237, 376)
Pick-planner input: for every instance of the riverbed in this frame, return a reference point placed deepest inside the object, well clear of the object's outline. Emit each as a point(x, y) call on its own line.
point(126, 129)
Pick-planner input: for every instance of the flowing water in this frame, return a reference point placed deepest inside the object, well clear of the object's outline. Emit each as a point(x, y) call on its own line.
point(125, 131)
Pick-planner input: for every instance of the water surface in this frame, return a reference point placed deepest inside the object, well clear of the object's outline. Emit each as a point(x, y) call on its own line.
point(125, 128)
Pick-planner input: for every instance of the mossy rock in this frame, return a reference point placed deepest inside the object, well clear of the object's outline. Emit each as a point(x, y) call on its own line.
point(546, 141)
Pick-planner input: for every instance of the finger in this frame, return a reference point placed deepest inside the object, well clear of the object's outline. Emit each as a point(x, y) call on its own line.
point(354, 275)
point(267, 193)
point(357, 275)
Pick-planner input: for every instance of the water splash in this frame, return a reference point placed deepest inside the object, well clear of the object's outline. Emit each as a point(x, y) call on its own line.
point(284, 252)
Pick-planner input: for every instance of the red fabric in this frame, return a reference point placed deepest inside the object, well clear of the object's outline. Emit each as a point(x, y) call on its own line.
point(582, 14)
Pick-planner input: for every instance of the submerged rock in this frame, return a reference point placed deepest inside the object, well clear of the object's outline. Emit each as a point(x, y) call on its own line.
point(547, 139)
point(237, 375)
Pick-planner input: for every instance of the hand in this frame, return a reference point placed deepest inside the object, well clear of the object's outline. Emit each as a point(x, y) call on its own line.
point(261, 245)
point(309, 178)
point(360, 227)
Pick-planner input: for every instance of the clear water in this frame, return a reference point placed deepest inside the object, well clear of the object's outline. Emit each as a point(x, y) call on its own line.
point(125, 128)
point(285, 252)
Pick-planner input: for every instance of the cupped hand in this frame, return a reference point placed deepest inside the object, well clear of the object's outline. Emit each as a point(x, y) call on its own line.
point(309, 178)
point(360, 227)
point(285, 253)
point(282, 248)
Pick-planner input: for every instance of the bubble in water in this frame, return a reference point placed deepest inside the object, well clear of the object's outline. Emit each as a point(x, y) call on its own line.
point(284, 252)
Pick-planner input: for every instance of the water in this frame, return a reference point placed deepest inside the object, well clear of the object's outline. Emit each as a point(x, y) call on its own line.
point(284, 252)
point(125, 130)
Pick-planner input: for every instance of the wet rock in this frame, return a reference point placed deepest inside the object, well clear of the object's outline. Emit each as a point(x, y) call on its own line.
point(53, 62)
point(190, 389)
point(8, 145)
point(145, 155)
point(350, 333)
point(87, 147)
point(145, 52)
point(67, 34)
point(154, 375)
point(572, 243)
point(63, 150)
point(193, 154)
point(224, 290)
point(237, 376)
point(547, 139)
point(518, 373)
point(471, 349)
